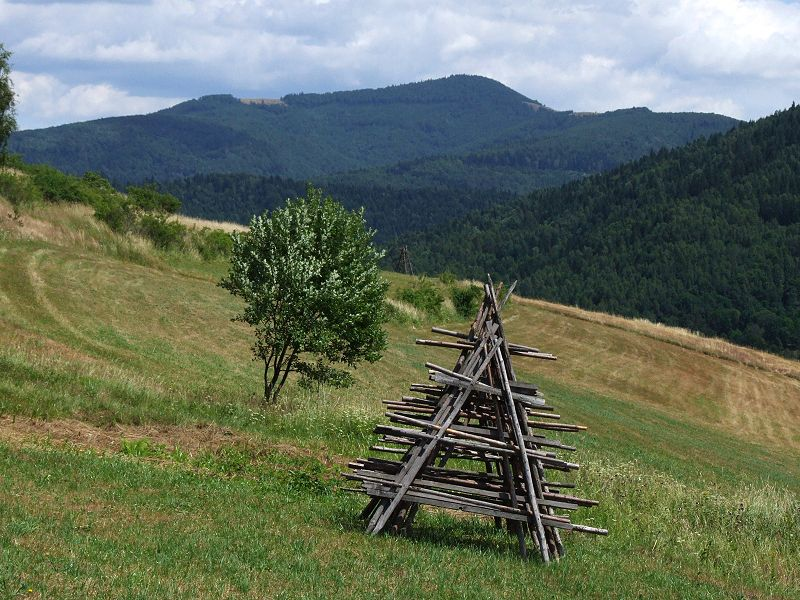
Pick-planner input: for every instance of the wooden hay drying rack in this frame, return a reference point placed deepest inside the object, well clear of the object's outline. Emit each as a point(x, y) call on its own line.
point(477, 412)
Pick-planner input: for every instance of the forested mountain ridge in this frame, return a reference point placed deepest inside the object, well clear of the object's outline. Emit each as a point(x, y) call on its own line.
point(391, 211)
point(313, 135)
point(705, 236)
point(535, 158)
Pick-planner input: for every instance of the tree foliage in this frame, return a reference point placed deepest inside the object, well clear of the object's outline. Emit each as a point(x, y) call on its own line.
point(313, 294)
point(8, 122)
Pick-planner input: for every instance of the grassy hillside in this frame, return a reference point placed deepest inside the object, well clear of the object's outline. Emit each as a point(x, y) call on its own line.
point(136, 463)
point(310, 135)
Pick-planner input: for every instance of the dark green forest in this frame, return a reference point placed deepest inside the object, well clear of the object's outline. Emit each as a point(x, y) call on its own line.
point(482, 133)
point(391, 211)
point(532, 158)
point(706, 236)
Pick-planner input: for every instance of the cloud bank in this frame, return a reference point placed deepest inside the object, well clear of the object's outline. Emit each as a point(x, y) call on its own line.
point(81, 60)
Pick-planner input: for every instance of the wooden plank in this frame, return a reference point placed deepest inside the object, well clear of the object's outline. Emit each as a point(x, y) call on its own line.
point(556, 426)
point(418, 462)
point(444, 502)
point(533, 401)
point(442, 344)
point(526, 469)
point(507, 296)
point(541, 355)
point(456, 334)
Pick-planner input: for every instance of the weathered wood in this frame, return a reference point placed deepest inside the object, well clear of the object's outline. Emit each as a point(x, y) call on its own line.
point(415, 465)
point(533, 401)
point(477, 412)
point(526, 468)
point(463, 336)
point(441, 344)
point(542, 355)
point(556, 426)
point(388, 449)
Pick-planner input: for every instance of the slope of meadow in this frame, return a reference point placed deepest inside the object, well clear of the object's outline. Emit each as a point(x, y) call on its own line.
point(137, 463)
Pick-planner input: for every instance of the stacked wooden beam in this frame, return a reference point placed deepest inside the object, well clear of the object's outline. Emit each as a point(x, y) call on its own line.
point(499, 429)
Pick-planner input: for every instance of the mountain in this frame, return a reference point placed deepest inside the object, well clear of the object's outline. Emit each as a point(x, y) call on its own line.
point(705, 236)
point(306, 136)
point(575, 146)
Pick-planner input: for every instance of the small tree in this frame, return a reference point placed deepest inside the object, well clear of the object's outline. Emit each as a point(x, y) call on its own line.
point(309, 277)
point(8, 124)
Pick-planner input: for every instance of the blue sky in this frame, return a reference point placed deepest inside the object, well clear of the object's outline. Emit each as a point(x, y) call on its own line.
point(79, 60)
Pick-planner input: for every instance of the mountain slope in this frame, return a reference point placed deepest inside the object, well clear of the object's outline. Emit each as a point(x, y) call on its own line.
point(706, 236)
point(531, 158)
point(309, 135)
point(392, 211)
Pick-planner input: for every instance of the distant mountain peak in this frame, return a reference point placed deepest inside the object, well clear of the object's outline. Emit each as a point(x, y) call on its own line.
point(453, 88)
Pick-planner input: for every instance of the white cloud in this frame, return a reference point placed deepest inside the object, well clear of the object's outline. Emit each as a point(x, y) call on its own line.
point(737, 56)
point(52, 101)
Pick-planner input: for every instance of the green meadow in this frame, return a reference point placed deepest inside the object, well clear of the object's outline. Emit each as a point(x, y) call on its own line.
point(137, 461)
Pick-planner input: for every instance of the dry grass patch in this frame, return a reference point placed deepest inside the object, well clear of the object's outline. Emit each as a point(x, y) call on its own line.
point(680, 336)
point(627, 359)
point(226, 226)
point(192, 439)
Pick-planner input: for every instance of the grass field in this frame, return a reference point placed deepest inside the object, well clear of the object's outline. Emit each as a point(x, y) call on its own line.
point(137, 462)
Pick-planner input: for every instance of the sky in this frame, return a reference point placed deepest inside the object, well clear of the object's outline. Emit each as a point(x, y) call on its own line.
point(77, 60)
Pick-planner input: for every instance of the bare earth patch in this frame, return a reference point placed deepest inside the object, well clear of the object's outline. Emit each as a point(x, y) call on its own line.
point(191, 439)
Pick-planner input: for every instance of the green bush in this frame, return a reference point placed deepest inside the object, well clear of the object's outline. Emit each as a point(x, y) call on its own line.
point(98, 183)
point(149, 199)
point(115, 214)
point(56, 186)
point(447, 278)
point(18, 190)
point(466, 299)
point(212, 243)
point(165, 234)
point(424, 296)
point(109, 205)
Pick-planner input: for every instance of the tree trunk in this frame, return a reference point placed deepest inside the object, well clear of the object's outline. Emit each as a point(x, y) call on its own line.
point(280, 368)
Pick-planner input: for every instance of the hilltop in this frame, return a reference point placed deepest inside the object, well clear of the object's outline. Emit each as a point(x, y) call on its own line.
point(136, 461)
point(705, 236)
point(308, 136)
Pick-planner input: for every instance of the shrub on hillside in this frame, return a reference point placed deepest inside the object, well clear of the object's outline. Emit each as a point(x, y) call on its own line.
point(56, 186)
point(466, 299)
point(212, 243)
point(447, 277)
point(149, 199)
point(18, 190)
point(423, 295)
point(165, 234)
